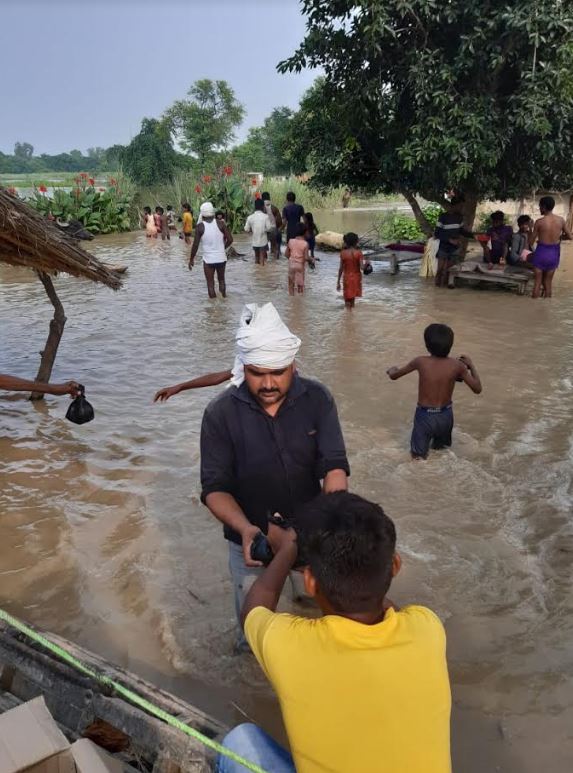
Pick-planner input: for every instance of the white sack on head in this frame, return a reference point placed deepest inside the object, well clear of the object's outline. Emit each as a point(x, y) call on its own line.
point(263, 339)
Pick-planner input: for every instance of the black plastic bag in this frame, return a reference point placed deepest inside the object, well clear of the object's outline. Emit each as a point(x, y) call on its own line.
point(80, 411)
point(368, 269)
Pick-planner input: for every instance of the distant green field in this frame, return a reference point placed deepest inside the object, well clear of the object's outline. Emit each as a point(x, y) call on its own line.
point(50, 179)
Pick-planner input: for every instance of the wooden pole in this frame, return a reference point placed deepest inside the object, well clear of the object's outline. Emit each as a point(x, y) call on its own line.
point(54, 336)
point(570, 213)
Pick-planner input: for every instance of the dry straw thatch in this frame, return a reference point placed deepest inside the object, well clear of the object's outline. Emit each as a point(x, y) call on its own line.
point(28, 239)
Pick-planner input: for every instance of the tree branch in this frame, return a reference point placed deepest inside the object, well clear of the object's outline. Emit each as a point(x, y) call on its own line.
point(417, 210)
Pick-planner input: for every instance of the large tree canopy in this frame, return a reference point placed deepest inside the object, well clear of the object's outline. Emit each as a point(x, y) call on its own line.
point(421, 96)
point(149, 158)
point(268, 147)
point(205, 122)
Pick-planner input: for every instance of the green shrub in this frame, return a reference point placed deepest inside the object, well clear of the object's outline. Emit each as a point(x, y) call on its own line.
point(101, 211)
point(396, 226)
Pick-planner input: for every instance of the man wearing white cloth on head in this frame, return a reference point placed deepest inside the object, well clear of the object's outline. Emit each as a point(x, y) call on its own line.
point(269, 443)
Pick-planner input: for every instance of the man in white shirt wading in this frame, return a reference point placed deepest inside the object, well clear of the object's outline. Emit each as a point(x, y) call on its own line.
point(259, 224)
point(214, 238)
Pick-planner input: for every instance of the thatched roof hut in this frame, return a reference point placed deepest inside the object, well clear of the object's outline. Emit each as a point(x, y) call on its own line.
point(28, 239)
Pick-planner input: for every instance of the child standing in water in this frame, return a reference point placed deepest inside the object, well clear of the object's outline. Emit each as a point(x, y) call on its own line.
point(149, 221)
point(187, 223)
point(298, 256)
point(438, 373)
point(157, 218)
point(310, 233)
point(547, 232)
point(350, 270)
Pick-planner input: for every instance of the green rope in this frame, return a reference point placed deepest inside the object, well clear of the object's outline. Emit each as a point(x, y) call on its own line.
point(126, 693)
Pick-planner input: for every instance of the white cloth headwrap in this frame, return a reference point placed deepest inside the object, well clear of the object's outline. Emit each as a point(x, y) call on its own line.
point(263, 339)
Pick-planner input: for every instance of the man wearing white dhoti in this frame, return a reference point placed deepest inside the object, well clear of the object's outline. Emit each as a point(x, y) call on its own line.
point(269, 443)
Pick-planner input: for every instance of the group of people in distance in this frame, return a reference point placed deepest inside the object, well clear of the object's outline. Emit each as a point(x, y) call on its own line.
point(535, 246)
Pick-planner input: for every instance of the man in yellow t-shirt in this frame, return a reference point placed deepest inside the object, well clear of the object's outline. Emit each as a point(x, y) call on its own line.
point(187, 218)
point(363, 689)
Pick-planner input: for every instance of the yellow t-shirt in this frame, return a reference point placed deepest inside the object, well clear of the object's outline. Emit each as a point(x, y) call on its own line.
point(187, 222)
point(359, 698)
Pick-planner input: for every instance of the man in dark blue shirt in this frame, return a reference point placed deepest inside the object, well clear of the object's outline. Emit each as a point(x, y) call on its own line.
point(292, 214)
point(266, 445)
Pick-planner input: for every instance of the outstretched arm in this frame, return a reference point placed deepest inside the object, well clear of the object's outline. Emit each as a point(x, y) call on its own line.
point(210, 379)
point(566, 230)
point(15, 384)
point(395, 372)
point(470, 375)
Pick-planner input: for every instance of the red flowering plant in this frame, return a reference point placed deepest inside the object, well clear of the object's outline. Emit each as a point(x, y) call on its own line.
point(99, 211)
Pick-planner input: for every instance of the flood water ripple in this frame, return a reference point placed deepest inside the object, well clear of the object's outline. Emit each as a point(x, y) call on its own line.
point(103, 538)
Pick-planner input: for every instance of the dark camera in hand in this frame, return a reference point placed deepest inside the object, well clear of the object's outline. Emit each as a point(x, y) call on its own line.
point(261, 549)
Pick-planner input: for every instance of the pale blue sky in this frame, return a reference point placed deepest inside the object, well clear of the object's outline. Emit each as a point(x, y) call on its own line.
point(80, 73)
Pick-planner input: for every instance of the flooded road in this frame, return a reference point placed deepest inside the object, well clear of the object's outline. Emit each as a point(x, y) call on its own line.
point(103, 538)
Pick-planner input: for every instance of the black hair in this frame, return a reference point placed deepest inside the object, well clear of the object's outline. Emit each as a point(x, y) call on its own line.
point(259, 205)
point(547, 202)
point(159, 210)
point(266, 196)
point(439, 339)
point(498, 215)
point(290, 196)
point(309, 219)
point(169, 207)
point(300, 229)
point(348, 543)
point(220, 212)
point(523, 219)
point(455, 200)
point(147, 210)
point(186, 207)
point(350, 239)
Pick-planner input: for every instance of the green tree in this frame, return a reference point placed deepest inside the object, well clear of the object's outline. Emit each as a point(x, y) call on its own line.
point(251, 154)
point(149, 158)
point(268, 148)
point(23, 150)
point(422, 96)
point(206, 121)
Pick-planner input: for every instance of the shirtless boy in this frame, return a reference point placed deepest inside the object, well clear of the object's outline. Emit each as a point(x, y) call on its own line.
point(547, 232)
point(438, 373)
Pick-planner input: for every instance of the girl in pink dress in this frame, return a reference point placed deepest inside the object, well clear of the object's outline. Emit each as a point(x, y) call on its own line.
point(298, 256)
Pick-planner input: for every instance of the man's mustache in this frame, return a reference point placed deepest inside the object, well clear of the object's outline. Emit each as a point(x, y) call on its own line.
point(268, 391)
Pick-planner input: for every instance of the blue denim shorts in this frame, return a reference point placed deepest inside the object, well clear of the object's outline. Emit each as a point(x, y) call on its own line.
point(432, 429)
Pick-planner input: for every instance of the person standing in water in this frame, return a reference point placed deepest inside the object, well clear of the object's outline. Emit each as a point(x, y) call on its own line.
point(275, 234)
point(449, 230)
point(298, 256)
point(438, 373)
point(350, 270)
point(259, 225)
point(187, 218)
point(214, 238)
point(292, 214)
point(547, 232)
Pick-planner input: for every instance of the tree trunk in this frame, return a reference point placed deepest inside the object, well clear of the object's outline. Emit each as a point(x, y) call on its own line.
point(469, 215)
point(570, 213)
point(417, 210)
point(54, 336)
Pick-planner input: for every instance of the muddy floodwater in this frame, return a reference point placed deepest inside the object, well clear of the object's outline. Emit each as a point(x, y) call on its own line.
point(103, 538)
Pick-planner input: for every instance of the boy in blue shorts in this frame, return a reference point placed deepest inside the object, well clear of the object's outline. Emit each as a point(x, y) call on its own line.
point(438, 373)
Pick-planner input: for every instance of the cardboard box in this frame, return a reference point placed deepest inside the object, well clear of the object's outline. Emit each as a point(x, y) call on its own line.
point(89, 758)
point(31, 742)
